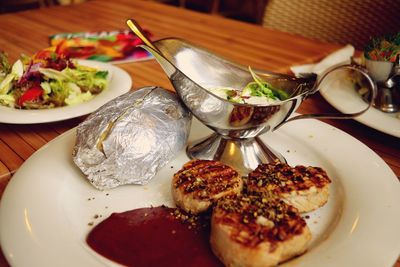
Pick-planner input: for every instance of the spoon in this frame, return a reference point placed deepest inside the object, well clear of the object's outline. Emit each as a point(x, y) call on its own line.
point(135, 27)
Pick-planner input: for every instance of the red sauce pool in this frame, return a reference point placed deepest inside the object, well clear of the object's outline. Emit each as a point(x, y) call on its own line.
point(152, 237)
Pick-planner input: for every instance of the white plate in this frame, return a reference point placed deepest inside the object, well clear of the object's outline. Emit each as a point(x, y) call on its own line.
point(345, 99)
point(46, 208)
point(119, 83)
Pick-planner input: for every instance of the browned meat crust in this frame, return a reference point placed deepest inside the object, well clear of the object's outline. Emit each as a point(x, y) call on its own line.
point(278, 177)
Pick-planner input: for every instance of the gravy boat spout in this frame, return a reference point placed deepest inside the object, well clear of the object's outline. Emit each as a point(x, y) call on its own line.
point(194, 71)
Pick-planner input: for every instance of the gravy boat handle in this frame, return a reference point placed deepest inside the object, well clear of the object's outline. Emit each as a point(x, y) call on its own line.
point(354, 67)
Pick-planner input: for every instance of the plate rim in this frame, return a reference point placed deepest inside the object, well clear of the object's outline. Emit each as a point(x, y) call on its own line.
point(365, 118)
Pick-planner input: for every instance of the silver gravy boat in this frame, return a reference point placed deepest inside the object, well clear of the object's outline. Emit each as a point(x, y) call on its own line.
point(193, 70)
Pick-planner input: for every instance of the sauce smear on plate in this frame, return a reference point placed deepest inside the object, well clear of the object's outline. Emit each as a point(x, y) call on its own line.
point(153, 237)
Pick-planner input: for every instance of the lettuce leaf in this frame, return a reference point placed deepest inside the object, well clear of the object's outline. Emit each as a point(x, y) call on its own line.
point(15, 74)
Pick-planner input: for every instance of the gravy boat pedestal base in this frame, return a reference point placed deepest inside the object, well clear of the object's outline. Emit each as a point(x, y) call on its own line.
point(244, 155)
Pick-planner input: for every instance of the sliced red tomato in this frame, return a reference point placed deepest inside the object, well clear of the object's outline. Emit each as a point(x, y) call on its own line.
point(31, 94)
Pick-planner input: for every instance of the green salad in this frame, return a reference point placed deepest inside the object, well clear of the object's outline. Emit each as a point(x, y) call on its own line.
point(385, 48)
point(48, 80)
point(258, 92)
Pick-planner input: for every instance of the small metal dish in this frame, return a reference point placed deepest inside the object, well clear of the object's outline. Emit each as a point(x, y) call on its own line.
point(387, 76)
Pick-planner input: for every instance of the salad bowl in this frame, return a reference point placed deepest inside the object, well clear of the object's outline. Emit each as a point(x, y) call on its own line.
point(194, 71)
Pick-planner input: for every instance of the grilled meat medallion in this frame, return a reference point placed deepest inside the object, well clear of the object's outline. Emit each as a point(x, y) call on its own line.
point(306, 188)
point(202, 182)
point(252, 231)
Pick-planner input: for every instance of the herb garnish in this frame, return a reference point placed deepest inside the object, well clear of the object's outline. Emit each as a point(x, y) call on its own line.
point(384, 48)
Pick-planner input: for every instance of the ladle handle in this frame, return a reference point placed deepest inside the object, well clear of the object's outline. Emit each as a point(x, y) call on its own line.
point(135, 27)
point(168, 67)
point(372, 88)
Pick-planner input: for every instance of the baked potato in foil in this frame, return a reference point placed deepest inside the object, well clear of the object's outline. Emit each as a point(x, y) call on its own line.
point(130, 138)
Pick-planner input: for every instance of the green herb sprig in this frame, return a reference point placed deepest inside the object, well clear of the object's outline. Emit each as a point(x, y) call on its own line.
point(262, 88)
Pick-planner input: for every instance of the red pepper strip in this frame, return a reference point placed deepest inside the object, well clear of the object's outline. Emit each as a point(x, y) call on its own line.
point(44, 54)
point(59, 47)
point(31, 94)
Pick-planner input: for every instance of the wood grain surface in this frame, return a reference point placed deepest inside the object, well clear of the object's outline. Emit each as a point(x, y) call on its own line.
point(27, 32)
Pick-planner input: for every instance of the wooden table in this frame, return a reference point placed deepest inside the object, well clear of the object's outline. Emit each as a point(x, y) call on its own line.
point(27, 32)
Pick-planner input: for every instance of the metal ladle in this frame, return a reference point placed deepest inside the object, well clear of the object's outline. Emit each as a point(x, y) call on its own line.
point(193, 70)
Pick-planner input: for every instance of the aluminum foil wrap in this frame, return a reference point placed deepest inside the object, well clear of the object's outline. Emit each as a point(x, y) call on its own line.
point(130, 138)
